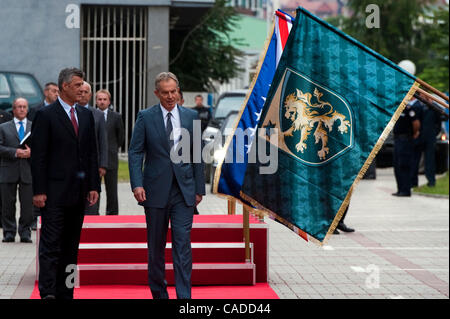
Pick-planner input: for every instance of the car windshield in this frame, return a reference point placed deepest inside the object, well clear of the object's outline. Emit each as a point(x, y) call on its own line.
point(24, 85)
point(228, 125)
point(4, 88)
point(228, 104)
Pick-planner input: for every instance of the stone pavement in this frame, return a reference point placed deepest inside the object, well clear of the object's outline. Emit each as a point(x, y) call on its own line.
point(400, 249)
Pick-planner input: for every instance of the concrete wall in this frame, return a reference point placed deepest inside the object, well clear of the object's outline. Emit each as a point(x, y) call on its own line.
point(39, 36)
point(158, 48)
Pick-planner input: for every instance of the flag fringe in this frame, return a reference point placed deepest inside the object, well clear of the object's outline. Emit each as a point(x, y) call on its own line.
point(238, 118)
point(369, 160)
point(261, 210)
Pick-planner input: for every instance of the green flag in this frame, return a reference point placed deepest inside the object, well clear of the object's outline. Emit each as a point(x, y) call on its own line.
point(331, 104)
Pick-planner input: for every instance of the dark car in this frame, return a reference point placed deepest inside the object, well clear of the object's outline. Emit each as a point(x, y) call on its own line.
point(226, 130)
point(228, 102)
point(18, 84)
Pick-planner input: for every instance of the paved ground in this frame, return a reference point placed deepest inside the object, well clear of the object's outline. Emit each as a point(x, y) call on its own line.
point(400, 249)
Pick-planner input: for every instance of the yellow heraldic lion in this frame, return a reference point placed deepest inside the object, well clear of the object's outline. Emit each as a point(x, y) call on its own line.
point(304, 115)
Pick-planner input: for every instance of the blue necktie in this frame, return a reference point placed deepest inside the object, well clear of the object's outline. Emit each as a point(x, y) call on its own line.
point(21, 131)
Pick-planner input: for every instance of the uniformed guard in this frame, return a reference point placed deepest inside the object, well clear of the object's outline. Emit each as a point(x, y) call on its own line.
point(430, 124)
point(406, 130)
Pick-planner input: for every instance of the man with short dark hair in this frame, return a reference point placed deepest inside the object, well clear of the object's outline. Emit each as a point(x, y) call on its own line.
point(203, 112)
point(65, 173)
point(51, 92)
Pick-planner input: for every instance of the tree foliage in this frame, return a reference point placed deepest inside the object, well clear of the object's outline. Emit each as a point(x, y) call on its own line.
point(435, 61)
point(206, 53)
point(408, 30)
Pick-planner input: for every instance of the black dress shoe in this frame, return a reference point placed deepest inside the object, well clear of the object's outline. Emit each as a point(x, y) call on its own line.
point(49, 297)
point(26, 240)
point(335, 232)
point(8, 240)
point(344, 228)
point(399, 194)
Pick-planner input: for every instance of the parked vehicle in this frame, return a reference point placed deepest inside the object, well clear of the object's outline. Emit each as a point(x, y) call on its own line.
point(227, 103)
point(219, 154)
point(18, 84)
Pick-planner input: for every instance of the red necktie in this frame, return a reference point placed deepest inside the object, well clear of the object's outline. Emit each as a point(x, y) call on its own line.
point(74, 120)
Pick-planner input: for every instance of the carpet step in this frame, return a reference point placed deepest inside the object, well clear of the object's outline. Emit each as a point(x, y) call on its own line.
point(100, 253)
point(136, 274)
point(205, 229)
point(130, 228)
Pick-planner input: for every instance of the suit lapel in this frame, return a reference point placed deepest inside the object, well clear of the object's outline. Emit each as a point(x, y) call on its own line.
point(82, 119)
point(28, 128)
point(13, 128)
point(158, 121)
point(183, 118)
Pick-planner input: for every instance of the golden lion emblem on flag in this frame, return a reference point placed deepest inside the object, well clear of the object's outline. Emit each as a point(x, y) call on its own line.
point(306, 116)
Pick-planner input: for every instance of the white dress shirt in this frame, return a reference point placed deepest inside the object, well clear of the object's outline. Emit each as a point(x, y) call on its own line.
point(67, 108)
point(176, 123)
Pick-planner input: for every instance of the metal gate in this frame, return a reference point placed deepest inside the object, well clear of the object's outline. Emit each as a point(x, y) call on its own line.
point(114, 57)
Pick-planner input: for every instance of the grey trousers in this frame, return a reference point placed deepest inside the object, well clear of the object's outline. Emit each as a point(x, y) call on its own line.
point(181, 217)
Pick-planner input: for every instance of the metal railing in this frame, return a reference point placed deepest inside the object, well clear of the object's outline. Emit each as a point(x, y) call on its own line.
point(114, 57)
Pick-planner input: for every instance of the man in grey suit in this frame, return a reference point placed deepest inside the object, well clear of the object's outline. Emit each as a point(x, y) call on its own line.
point(116, 135)
point(4, 117)
point(101, 139)
point(16, 172)
point(167, 189)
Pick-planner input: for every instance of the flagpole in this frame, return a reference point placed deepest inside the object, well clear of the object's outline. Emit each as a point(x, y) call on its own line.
point(432, 89)
point(421, 91)
point(246, 227)
point(231, 207)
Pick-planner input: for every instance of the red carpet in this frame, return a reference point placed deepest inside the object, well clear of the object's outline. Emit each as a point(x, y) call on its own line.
point(258, 291)
point(112, 260)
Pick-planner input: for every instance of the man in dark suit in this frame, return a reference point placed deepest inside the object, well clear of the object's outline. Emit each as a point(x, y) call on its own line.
point(15, 173)
point(4, 117)
point(65, 172)
point(167, 189)
point(51, 93)
point(115, 135)
point(101, 140)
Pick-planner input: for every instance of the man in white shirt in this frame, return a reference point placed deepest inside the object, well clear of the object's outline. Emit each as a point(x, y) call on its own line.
point(16, 173)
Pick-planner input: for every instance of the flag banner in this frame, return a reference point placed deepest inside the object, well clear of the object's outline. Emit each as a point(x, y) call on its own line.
point(331, 105)
point(230, 170)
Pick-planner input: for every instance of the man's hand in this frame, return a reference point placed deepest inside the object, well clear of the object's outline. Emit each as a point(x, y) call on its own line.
point(198, 199)
point(139, 194)
point(101, 171)
point(23, 153)
point(92, 197)
point(39, 200)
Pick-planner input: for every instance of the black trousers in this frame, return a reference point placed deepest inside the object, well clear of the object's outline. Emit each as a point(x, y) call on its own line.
point(427, 147)
point(58, 249)
point(403, 163)
point(112, 201)
point(181, 218)
point(9, 191)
